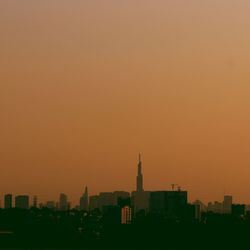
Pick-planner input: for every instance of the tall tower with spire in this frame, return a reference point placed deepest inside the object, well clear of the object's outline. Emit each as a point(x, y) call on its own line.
point(84, 200)
point(139, 178)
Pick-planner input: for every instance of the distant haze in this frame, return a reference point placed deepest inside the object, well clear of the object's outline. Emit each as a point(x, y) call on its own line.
point(87, 85)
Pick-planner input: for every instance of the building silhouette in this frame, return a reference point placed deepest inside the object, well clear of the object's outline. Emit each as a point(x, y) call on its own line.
point(170, 204)
point(139, 178)
point(22, 201)
point(227, 204)
point(84, 200)
point(107, 199)
point(8, 201)
point(216, 207)
point(35, 200)
point(140, 198)
point(63, 202)
point(126, 215)
point(120, 195)
point(93, 202)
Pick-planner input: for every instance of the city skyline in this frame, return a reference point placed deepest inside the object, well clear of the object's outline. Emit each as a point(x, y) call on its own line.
point(64, 201)
point(124, 124)
point(85, 85)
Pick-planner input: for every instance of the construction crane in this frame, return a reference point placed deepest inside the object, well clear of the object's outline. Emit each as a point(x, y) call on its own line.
point(173, 186)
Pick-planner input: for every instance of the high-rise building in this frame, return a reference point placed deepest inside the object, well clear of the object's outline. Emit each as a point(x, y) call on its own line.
point(106, 199)
point(171, 204)
point(22, 201)
point(203, 207)
point(63, 202)
point(8, 201)
point(121, 197)
point(227, 204)
point(218, 207)
point(199, 208)
point(139, 178)
point(126, 215)
point(140, 198)
point(84, 200)
point(35, 201)
point(93, 202)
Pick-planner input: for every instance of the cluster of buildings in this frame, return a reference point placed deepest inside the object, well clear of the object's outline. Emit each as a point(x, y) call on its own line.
point(167, 203)
point(21, 201)
point(170, 204)
point(224, 207)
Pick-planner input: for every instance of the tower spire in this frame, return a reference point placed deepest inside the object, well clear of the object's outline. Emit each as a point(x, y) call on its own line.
point(139, 178)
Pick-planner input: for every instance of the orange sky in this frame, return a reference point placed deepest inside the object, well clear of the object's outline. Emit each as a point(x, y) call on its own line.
point(87, 85)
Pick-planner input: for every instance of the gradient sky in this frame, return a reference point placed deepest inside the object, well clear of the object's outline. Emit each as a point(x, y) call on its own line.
point(86, 85)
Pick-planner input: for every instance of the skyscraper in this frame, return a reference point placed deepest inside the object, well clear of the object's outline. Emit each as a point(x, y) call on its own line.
point(140, 198)
point(171, 204)
point(139, 178)
point(8, 201)
point(22, 201)
point(227, 204)
point(35, 201)
point(84, 200)
point(126, 215)
point(63, 202)
point(93, 202)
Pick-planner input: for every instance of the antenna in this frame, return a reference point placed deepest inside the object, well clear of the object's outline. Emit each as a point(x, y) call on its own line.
point(173, 186)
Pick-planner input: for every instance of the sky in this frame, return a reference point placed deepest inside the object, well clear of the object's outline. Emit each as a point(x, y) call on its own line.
point(86, 85)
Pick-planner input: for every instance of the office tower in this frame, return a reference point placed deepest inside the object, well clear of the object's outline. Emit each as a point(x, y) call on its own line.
point(170, 204)
point(139, 178)
point(218, 207)
point(121, 194)
point(8, 201)
point(197, 208)
point(84, 200)
point(35, 201)
point(227, 204)
point(123, 201)
point(140, 200)
point(126, 215)
point(121, 197)
point(63, 202)
point(106, 199)
point(93, 202)
point(22, 201)
point(203, 208)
